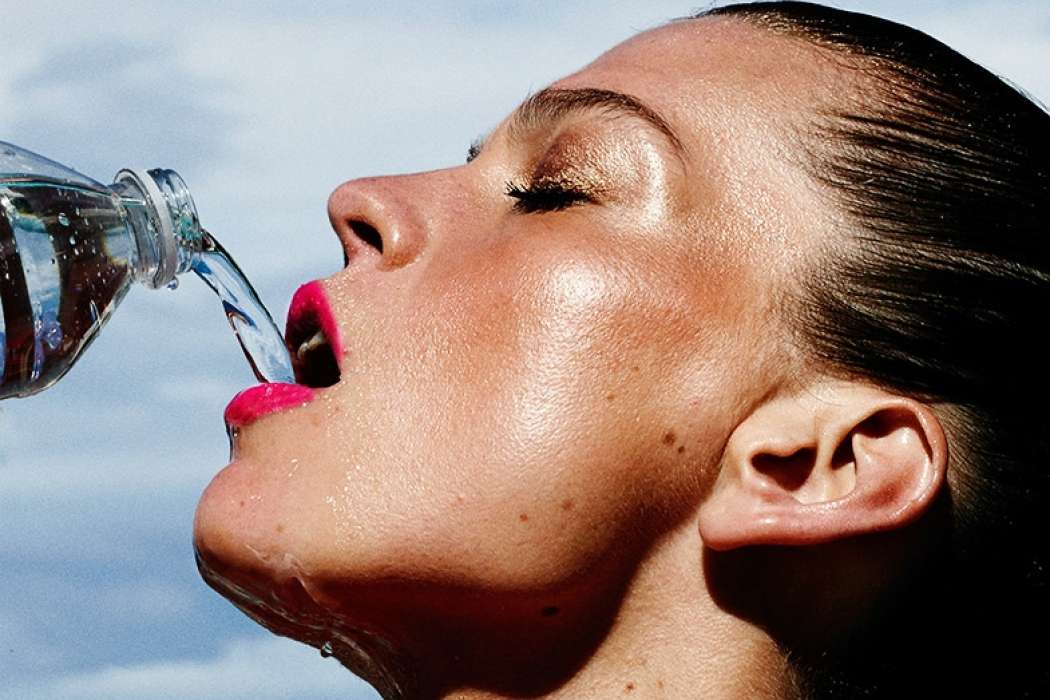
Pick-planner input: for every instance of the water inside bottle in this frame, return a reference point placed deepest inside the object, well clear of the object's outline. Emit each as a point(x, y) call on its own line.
point(66, 261)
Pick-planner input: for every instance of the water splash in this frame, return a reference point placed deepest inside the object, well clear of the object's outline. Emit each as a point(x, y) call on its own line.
point(258, 335)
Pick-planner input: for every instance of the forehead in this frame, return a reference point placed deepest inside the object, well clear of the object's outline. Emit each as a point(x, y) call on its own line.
point(701, 72)
point(738, 97)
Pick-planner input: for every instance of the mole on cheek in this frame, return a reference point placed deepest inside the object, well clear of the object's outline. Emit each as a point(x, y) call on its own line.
point(524, 517)
point(567, 504)
point(669, 437)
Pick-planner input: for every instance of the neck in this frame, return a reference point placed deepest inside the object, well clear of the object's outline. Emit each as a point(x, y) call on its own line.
point(657, 633)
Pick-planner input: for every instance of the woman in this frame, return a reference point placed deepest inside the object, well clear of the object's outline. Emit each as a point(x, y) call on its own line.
point(715, 372)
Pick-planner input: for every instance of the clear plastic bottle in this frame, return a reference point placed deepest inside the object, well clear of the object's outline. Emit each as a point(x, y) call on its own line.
point(70, 248)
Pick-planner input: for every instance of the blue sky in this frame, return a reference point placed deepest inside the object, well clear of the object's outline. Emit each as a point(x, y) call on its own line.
point(263, 109)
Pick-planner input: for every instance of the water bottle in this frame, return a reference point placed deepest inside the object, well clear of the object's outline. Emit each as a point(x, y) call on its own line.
point(70, 248)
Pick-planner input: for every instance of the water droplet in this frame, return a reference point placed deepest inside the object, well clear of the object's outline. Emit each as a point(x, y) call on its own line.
point(326, 649)
point(231, 436)
point(38, 351)
point(63, 219)
point(51, 334)
point(174, 284)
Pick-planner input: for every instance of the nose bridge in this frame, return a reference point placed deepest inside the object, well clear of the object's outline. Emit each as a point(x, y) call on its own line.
point(389, 217)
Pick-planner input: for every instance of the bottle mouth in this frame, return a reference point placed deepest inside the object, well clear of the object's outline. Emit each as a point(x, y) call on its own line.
point(166, 249)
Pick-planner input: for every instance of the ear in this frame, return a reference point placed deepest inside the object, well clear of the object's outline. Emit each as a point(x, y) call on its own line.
point(835, 461)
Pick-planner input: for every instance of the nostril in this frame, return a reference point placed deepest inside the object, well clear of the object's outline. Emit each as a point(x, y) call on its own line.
point(379, 222)
point(367, 233)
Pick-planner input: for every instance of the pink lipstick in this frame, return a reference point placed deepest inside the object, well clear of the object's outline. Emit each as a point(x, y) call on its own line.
point(263, 399)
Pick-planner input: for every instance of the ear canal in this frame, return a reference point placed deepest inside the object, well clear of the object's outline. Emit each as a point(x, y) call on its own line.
point(799, 473)
point(790, 472)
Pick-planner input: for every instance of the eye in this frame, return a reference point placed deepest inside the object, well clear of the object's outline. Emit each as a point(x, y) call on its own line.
point(548, 195)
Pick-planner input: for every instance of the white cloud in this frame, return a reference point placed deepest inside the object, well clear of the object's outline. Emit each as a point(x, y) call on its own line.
point(256, 668)
point(131, 469)
point(147, 602)
point(201, 390)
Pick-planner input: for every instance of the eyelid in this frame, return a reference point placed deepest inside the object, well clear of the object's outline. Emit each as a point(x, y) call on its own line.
point(554, 189)
point(551, 196)
point(567, 178)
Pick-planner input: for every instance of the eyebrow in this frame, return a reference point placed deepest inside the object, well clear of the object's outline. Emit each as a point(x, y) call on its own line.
point(551, 105)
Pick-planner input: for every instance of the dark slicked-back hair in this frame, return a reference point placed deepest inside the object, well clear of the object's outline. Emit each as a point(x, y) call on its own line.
point(939, 289)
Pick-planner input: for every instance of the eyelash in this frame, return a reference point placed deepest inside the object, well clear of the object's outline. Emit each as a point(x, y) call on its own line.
point(545, 196)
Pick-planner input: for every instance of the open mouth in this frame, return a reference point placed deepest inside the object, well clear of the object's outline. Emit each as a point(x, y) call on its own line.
point(313, 360)
point(310, 341)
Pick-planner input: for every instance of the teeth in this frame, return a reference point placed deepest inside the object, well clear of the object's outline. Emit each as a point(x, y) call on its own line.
point(317, 340)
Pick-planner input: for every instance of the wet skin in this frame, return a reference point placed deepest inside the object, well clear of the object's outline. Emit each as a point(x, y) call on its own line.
point(531, 402)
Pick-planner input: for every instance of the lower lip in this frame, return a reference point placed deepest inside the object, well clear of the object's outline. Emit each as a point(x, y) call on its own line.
point(252, 404)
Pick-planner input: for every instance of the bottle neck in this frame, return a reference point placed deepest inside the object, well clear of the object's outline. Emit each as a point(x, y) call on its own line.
point(163, 220)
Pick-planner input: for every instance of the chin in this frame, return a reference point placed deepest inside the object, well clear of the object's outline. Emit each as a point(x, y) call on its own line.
point(242, 556)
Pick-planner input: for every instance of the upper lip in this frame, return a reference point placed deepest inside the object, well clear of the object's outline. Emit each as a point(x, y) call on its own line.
point(312, 337)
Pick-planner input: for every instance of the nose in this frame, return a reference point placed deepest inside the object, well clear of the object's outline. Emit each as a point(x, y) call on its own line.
point(380, 221)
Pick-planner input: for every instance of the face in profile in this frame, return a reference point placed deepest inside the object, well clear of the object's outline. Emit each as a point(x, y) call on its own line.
point(543, 353)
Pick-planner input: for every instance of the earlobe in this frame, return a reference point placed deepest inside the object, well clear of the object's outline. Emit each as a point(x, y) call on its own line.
point(835, 462)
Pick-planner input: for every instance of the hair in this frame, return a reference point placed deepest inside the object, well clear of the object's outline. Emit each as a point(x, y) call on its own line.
point(939, 289)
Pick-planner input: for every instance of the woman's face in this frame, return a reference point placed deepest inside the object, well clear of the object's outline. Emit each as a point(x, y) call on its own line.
point(544, 361)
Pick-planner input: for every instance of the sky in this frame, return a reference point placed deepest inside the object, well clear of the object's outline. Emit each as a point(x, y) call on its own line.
point(263, 108)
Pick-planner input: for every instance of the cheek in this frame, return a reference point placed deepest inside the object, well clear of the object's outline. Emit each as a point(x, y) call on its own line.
point(523, 452)
point(585, 426)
